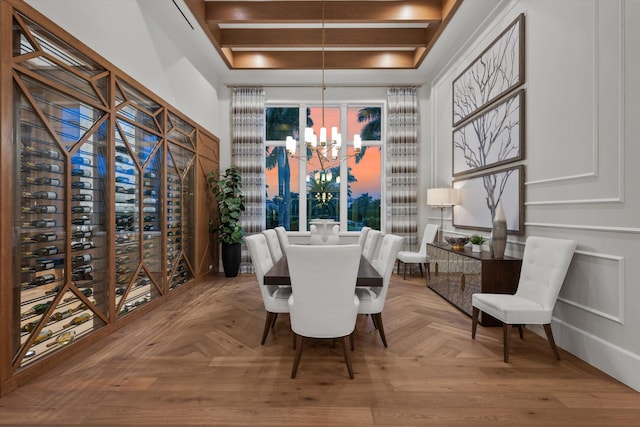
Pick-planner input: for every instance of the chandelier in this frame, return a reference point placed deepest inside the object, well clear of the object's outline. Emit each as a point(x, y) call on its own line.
point(326, 150)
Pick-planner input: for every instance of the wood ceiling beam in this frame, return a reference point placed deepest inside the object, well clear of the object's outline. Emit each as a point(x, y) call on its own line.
point(305, 37)
point(336, 60)
point(335, 11)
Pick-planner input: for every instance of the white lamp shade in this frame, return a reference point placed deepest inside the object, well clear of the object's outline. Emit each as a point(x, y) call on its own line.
point(443, 196)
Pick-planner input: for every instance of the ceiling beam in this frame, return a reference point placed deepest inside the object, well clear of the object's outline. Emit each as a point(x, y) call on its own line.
point(335, 11)
point(336, 60)
point(335, 37)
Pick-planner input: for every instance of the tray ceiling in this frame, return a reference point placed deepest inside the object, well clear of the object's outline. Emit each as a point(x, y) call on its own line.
point(288, 35)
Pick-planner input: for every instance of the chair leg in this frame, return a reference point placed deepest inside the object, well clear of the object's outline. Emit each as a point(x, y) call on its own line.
point(347, 356)
point(552, 343)
point(428, 266)
point(275, 317)
point(506, 332)
point(474, 322)
point(421, 272)
point(398, 267)
point(267, 324)
point(404, 276)
point(378, 321)
point(352, 342)
point(296, 360)
point(521, 331)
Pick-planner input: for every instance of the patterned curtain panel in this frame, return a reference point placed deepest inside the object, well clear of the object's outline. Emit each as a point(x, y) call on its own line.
point(247, 134)
point(402, 164)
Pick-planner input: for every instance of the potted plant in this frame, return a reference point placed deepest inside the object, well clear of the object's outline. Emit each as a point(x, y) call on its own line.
point(227, 190)
point(477, 242)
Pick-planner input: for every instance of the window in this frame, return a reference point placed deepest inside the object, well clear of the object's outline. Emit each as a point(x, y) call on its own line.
point(303, 188)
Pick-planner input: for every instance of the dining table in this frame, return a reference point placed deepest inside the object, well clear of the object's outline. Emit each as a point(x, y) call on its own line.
point(279, 274)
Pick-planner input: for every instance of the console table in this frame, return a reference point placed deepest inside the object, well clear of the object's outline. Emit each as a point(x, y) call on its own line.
point(458, 274)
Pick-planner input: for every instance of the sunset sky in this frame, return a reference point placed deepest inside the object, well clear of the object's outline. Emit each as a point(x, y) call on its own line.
point(367, 171)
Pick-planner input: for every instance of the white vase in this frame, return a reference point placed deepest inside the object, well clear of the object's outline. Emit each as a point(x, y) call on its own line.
point(499, 233)
point(476, 248)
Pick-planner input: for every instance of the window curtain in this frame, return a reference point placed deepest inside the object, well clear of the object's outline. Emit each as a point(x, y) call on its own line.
point(402, 164)
point(247, 136)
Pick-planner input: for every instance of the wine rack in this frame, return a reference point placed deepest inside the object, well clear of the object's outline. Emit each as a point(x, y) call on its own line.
point(62, 266)
point(102, 207)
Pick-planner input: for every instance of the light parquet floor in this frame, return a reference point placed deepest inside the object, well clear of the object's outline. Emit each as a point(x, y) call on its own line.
point(197, 360)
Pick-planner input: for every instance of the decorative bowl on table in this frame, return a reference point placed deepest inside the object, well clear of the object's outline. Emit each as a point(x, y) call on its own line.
point(457, 243)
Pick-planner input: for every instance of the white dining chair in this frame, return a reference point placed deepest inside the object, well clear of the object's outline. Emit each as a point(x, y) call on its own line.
point(420, 257)
point(283, 238)
point(323, 303)
point(274, 245)
point(371, 245)
point(544, 266)
point(372, 299)
point(363, 235)
point(275, 298)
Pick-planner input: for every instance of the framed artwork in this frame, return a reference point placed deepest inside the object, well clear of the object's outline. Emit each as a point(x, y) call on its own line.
point(497, 70)
point(492, 138)
point(480, 194)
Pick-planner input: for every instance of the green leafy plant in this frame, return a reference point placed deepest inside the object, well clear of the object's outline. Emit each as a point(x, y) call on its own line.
point(227, 190)
point(477, 239)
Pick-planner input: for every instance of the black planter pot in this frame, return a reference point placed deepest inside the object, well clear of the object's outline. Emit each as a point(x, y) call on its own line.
point(231, 254)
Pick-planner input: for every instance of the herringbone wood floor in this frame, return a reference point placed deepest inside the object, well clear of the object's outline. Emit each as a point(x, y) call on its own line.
point(197, 360)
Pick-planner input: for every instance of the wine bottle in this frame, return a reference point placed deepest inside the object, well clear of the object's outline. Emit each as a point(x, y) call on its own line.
point(54, 290)
point(80, 209)
point(43, 223)
point(149, 218)
point(149, 209)
point(81, 184)
point(82, 197)
point(76, 246)
point(83, 220)
point(122, 179)
point(81, 259)
point(29, 326)
point(124, 159)
point(123, 270)
point(78, 320)
point(152, 193)
point(63, 339)
point(83, 269)
point(43, 180)
point(120, 291)
point(59, 315)
point(40, 209)
point(125, 278)
point(42, 152)
point(150, 200)
point(37, 309)
point(50, 195)
point(87, 292)
point(150, 175)
point(46, 250)
point(80, 160)
point(147, 183)
point(81, 234)
point(148, 227)
point(120, 169)
point(43, 335)
point(39, 281)
point(80, 172)
point(43, 265)
point(123, 259)
point(44, 167)
point(147, 236)
point(122, 149)
point(43, 237)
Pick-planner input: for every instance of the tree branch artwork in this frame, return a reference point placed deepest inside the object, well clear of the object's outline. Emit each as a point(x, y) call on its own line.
point(495, 72)
point(480, 195)
point(493, 138)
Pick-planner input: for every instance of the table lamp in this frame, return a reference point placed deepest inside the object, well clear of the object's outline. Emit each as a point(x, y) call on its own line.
point(442, 198)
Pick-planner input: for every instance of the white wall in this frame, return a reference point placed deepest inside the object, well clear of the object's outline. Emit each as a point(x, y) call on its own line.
point(582, 110)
